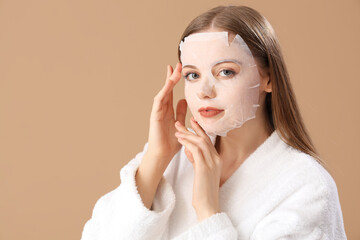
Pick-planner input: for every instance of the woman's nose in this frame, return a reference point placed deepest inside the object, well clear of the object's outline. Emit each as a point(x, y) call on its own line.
point(207, 90)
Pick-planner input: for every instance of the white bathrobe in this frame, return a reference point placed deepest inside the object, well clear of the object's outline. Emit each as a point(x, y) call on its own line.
point(277, 193)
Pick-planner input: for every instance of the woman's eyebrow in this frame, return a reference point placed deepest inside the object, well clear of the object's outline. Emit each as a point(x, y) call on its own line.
point(217, 63)
point(227, 60)
point(189, 66)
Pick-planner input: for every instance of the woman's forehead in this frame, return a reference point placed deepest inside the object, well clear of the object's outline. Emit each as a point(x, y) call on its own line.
point(212, 47)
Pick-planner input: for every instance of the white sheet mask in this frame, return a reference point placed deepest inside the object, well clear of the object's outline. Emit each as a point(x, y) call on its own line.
point(237, 94)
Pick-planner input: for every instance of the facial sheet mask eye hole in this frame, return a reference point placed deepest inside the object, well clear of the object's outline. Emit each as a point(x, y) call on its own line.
point(225, 70)
point(223, 76)
point(226, 73)
point(191, 76)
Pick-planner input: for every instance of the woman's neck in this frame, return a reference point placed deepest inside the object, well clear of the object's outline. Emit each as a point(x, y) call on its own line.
point(239, 143)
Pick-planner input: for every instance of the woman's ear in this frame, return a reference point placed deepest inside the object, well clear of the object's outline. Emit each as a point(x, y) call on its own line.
point(266, 80)
point(268, 86)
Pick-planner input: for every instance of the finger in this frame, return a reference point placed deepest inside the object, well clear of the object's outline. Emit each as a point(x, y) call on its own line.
point(171, 81)
point(198, 129)
point(162, 94)
point(202, 144)
point(170, 97)
point(201, 133)
point(189, 155)
point(195, 151)
point(176, 75)
point(169, 71)
point(165, 95)
point(181, 128)
point(169, 85)
point(181, 111)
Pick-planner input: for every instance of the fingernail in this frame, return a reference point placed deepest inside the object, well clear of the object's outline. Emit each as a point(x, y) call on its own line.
point(177, 123)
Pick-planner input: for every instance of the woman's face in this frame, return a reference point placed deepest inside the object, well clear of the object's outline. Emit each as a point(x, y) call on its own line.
point(220, 75)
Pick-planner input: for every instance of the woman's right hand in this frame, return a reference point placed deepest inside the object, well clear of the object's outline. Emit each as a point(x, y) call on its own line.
point(162, 142)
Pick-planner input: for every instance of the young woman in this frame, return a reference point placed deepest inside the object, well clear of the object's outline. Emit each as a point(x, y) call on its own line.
point(247, 168)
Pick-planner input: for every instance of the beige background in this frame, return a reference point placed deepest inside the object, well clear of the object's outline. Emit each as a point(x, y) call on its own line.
point(77, 79)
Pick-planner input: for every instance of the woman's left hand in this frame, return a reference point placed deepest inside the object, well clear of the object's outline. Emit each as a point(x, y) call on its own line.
point(207, 168)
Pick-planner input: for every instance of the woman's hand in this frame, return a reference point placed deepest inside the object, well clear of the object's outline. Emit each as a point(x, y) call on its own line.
point(207, 165)
point(163, 145)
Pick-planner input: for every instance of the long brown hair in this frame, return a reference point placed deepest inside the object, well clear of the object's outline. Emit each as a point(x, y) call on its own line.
point(282, 110)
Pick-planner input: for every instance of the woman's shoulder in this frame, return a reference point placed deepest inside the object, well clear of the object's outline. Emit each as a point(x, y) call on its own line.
point(302, 169)
point(301, 193)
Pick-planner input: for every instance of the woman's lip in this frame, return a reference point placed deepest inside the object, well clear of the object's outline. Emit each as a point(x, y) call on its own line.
point(210, 113)
point(209, 108)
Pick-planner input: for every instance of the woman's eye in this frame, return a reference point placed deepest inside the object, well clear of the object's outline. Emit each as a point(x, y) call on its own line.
point(226, 72)
point(191, 76)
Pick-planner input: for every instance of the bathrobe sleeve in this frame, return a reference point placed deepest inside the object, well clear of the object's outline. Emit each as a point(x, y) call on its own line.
point(309, 209)
point(121, 213)
point(215, 227)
